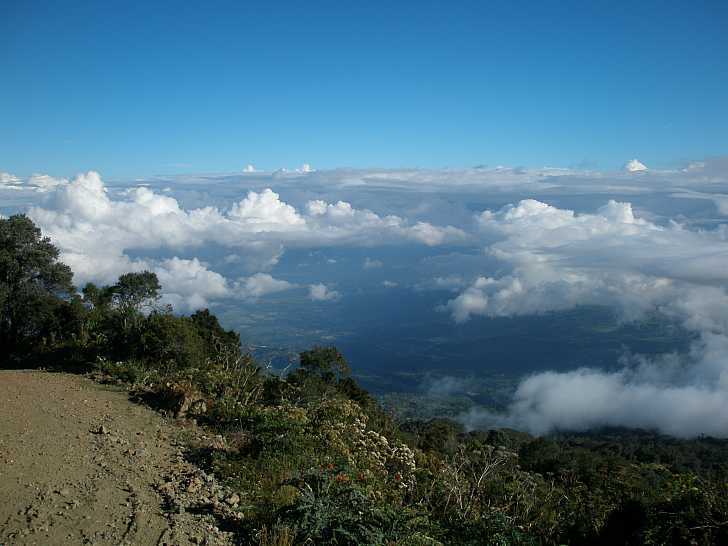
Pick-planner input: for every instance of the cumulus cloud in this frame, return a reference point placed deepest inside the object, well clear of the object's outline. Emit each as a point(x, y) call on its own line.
point(149, 220)
point(188, 284)
point(98, 232)
point(340, 222)
point(559, 259)
point(44, 182)
point(260, 284)
point(634, 165)
point(320, 292)
point(265, 211)
point(430, 235)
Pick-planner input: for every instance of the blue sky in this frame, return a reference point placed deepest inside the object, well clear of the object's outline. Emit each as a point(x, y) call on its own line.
point(139, 88)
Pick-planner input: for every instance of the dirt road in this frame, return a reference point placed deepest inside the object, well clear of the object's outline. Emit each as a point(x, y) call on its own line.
point(81, 464)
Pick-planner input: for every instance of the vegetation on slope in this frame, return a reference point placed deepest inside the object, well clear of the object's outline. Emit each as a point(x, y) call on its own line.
point(314, 458)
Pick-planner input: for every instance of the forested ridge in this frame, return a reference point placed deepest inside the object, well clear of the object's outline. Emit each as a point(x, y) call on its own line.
point(314, 459)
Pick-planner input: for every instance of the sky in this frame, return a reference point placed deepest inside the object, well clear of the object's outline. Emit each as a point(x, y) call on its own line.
point(137, 89)
point(538, 190)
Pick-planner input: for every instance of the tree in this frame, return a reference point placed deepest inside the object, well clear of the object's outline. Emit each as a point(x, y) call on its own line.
point(136, 291)
point(33, 285)
point(170, 342)
point(325, 362)
point(132, 294)
point(218, 341)
point(99, 298)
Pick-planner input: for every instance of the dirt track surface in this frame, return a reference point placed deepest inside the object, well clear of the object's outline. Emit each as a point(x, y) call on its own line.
point(81, 464)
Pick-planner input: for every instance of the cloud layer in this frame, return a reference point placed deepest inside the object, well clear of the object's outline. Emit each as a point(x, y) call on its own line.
point(98, 234)
point(557, 260)
point(645, 242)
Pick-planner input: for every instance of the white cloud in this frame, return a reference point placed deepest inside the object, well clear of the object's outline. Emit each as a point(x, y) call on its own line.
point(261, 284)
point(35, 183)
point(587, 398)
point(342, 222)
point(7, 179)
point(320, 292)
point(249, 168)
point(44, 183)
point(472, 301)
point(265, 212)
point(558, 260)
point(188, 284)
point(389, 284)
point(431, 235)
point(96, 231)
point(634, 165)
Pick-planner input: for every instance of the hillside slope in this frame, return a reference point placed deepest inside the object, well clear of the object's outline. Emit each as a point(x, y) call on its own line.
point(81, 464)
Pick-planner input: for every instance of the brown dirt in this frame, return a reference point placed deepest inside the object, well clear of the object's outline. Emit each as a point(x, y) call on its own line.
point(81, 464)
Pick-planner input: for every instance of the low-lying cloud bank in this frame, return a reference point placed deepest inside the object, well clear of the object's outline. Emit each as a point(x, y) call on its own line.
point(589, 398)
point(96, 232)
point(558, 260)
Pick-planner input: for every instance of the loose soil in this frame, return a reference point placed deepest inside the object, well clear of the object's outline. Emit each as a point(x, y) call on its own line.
point(82, 464)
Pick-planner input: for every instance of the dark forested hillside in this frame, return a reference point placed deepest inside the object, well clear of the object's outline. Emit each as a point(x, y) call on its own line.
point(314, 459)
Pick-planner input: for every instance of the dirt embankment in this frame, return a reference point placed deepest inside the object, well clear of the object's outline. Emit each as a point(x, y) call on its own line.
point(81, 464)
